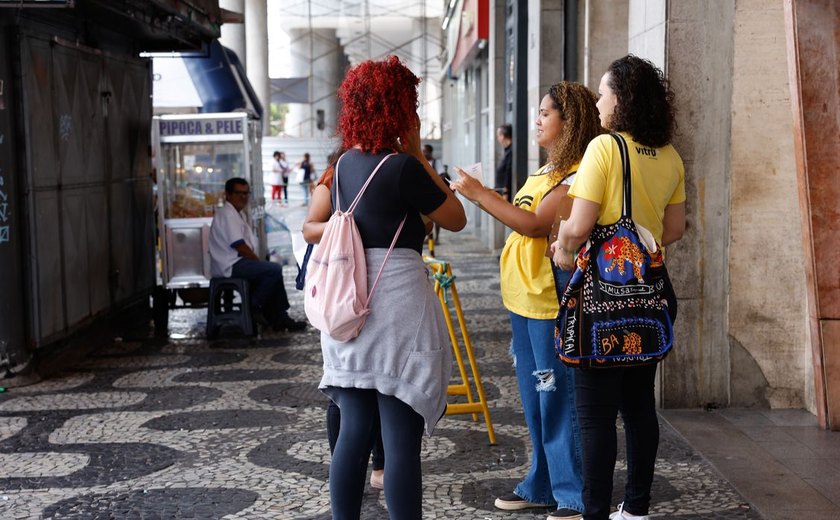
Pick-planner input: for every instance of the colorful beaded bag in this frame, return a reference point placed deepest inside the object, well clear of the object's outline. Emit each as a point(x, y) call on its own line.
point(618, 306)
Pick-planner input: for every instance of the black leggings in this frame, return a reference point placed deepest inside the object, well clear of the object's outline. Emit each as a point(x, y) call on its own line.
point(600, 395)
point(402, 431)
point(334, 425)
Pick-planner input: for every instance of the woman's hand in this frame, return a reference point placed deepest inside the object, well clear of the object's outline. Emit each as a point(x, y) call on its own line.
point(467, 185)
point(411, 143)
point(563, 259)
point(574, 232)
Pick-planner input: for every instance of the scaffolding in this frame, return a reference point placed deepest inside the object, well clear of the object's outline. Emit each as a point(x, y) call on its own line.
point(363, 29)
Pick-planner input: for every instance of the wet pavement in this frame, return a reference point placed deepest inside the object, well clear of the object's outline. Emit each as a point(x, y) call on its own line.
point(182, 427)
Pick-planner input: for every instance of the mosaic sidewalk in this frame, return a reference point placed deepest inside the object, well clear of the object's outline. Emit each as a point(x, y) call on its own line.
point(235, 428)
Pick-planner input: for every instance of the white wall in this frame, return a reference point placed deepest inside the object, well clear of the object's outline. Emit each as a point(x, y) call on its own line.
point(647, 25)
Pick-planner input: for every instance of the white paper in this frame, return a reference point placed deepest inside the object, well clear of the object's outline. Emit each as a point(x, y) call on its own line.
point(474, 170)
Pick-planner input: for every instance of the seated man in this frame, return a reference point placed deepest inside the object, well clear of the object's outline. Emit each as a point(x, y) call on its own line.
point(232, 255)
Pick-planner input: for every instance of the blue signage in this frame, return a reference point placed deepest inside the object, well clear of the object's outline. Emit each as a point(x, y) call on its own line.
point(197, 127)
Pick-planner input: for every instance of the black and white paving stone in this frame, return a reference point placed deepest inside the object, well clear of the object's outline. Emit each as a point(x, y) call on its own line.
point(235, 429)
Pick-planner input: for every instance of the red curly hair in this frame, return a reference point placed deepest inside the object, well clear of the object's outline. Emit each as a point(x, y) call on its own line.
point(378, 104)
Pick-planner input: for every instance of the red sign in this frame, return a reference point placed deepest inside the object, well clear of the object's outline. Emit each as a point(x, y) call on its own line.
point(473, 32)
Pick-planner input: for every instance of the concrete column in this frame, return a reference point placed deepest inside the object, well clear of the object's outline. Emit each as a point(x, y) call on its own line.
point(700, 64)
point(416, 62)
point(256, 54)
point(770, 362)
point(318, 55)
point(233, 34)
point(545, 63)
point(497, 69)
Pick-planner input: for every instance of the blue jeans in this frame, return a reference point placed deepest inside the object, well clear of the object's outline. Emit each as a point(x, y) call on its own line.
point(402, 431)
point(546, 387)
point(268, 294)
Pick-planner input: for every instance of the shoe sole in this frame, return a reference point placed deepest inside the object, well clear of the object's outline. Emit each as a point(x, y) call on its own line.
point(504, 505)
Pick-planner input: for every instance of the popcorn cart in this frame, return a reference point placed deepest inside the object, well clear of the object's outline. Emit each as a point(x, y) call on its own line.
point(194, 155)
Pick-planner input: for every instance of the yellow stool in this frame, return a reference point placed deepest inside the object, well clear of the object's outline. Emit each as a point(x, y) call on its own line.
point(445, 282)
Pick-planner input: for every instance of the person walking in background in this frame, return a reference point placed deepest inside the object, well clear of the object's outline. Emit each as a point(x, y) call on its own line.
point(429, 154)
point(635, 101)
point(305, 164)
point(566, 122)
point(279, 176)
point(312, 231)
point(232, 254)
point(504, 170)
point(400, 364)
point(287, 169)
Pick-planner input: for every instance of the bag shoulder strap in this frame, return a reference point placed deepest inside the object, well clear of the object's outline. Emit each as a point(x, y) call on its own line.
point(364, 186)
point(626, 209)
point(559, 183)
point(353, 206)
point(390, 249)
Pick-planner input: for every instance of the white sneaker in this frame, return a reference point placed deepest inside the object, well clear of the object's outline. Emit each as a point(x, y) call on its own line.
point(377, 479)
point(621, 515)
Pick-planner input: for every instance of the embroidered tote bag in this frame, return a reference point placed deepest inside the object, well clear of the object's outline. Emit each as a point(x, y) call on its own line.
point(618, 307)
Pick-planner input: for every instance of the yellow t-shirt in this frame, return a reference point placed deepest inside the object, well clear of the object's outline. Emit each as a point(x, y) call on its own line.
point(524, 271)
point(656, 174)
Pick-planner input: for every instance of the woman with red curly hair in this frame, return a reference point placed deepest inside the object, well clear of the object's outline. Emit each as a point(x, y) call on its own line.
point(400, 363)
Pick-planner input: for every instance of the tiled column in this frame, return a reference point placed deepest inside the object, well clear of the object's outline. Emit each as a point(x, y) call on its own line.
point(256, 54)
point(233, 34)
point(813, 42)
point(318, 55)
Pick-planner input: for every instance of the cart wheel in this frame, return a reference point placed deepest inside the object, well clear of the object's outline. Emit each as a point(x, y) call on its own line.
point(160, 306)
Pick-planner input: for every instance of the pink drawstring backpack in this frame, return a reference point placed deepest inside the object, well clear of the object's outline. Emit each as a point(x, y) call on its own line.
point(336, 299)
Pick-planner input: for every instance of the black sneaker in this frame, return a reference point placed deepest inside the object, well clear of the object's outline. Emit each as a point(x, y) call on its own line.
point(565, 514)
point(513, 502)
point(261, 320)
point(287, 323)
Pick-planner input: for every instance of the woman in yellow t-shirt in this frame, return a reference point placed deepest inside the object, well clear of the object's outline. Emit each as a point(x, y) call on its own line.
point(566, 122)
point(636, 102)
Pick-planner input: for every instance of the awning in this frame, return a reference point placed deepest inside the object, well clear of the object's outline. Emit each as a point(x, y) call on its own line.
point(213, 83)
